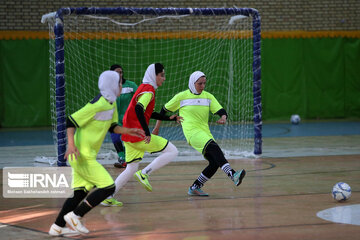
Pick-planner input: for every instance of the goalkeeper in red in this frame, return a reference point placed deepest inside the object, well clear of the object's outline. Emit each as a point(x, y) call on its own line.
point(194, 106)
point(86, 130)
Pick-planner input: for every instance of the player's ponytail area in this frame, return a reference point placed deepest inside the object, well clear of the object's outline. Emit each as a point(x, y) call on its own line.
point(286, 194)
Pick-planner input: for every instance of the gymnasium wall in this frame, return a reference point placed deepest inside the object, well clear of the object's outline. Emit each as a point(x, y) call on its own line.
point(314, 77)
point(310, 57)
point(24, 85)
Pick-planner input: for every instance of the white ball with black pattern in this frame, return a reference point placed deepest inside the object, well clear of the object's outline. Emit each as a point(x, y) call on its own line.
point(341, 191)
point(295, 119)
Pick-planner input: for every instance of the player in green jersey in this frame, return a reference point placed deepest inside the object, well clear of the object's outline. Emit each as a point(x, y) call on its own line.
point(122, 102)
point(194, 105)
point(86, 130)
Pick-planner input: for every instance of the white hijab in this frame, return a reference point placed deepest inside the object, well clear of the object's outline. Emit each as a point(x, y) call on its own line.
point(109, 85)
point(150, 76)
point(192, 80)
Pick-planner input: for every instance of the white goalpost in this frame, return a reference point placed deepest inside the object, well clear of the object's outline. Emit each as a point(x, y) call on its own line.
point(224, 43)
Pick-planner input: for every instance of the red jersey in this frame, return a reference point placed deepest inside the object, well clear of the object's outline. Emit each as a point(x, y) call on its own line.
point(130, 119)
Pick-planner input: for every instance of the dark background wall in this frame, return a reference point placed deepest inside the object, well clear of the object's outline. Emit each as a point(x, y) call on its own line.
point(310, 57)
point(279, 15)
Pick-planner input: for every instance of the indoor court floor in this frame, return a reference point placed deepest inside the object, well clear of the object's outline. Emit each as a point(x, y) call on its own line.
point(286, 193)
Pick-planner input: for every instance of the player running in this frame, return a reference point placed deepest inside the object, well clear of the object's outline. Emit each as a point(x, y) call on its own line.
point(138, 114)
point(91, 122)
point(194, 106)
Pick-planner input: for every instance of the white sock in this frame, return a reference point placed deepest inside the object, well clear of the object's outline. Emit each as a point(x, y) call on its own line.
point(166, 156)
point(228, 170)
point(125, 176)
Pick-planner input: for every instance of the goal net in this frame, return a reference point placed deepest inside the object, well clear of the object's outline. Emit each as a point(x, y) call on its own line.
point(224, 43)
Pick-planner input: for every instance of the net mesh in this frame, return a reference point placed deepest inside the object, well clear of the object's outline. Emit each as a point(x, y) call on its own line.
point(183, 44)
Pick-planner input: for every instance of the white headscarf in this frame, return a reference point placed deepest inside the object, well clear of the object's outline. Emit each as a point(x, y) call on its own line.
point(109, 85)
point(192, 80)
point(150, 76)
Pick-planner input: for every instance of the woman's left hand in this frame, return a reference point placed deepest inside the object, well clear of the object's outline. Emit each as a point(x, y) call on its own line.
point(222, 120)
point(136, 132)
point(179, 119)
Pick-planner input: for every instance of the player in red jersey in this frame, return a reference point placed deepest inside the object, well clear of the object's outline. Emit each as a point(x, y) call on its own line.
point(138, 114)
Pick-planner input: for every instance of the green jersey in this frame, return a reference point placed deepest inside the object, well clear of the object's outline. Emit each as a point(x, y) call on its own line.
point(92, 123)
point(127, 92)
point(195, 111)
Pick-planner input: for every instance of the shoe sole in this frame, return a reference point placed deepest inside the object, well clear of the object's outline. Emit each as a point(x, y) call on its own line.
point(196, 195)
point(119, 166)
point(137, 177)
point(192, 194)
point(111, 205)
point(66, 234)
point(71, 234)
point(68, 220)
point(242, 175)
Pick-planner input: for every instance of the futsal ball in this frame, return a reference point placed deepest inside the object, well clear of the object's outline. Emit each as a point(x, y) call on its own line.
point(341, 191)
point(295, 119)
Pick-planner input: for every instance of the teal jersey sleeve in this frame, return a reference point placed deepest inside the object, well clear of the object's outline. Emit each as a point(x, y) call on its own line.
point(133, 85)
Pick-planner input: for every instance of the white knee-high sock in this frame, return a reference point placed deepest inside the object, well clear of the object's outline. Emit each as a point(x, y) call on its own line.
point(125, 176)
point(167, 155)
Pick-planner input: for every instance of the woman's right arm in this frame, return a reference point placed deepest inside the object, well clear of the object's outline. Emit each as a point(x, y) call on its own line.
point(155, 131)
point(139, 110)
point(71, 149)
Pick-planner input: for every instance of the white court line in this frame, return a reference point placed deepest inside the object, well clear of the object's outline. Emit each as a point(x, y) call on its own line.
point(349, 214)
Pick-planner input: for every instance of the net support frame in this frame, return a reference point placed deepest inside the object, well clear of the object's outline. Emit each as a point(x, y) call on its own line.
point(60, 59)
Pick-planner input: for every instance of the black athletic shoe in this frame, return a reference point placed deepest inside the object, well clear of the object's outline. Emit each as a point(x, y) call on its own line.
point(120, 164)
